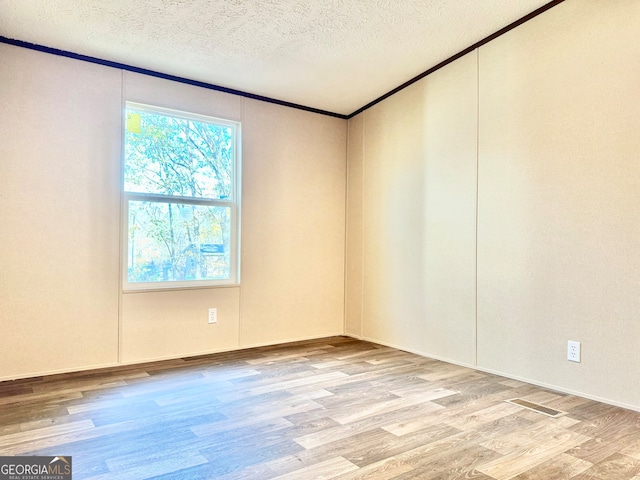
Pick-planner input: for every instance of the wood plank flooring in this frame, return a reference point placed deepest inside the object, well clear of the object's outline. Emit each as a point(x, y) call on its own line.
point(334, 408)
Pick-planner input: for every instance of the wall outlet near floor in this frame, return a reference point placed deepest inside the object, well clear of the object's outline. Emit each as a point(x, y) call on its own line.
point(573, 351)
point(213, 315)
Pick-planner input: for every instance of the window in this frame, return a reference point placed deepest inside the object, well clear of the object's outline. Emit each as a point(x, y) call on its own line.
point(181, 195)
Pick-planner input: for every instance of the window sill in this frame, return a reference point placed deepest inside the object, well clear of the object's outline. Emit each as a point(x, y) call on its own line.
point(177, 288)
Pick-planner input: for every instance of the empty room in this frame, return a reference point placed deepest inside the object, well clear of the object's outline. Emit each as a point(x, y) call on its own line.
point(334, 239)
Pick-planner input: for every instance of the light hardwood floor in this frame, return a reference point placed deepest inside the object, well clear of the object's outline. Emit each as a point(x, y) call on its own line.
point(335, 408)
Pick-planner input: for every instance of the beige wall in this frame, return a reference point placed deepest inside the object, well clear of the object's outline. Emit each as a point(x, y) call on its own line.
point(168, 324)
point(416, 224)
point(559, 199)
point(354, 251)
point(293, 224)
point(558, 225)
point(60, 212)
point(62, 308)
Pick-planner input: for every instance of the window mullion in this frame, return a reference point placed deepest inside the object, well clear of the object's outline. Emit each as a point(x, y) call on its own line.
point(150, 197)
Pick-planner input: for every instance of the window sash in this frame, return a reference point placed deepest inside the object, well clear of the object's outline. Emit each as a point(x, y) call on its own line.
point(154, 197)
point(234, 126)
point(234, 253)
point(232, 202)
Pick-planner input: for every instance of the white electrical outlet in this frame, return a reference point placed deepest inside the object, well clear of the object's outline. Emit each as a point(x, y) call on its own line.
point(573, 351)
point(213, 315)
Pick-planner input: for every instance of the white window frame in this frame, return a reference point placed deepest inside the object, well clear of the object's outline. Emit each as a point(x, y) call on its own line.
point(232, 202)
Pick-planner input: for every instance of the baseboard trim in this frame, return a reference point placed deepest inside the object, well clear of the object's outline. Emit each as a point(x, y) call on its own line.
point(557, 388)
point(292, 340)
point(60, 371)
point(416, 352)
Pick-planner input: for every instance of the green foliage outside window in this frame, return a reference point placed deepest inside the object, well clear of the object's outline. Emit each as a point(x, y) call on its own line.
point(179, 176)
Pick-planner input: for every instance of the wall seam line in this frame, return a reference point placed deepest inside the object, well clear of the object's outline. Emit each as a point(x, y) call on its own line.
point(240, 289)
point(121, 216)
point(475, 360)
point(362, 210)
point(346, 230)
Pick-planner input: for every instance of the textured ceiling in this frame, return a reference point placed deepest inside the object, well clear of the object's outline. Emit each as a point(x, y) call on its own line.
point(334, 55)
